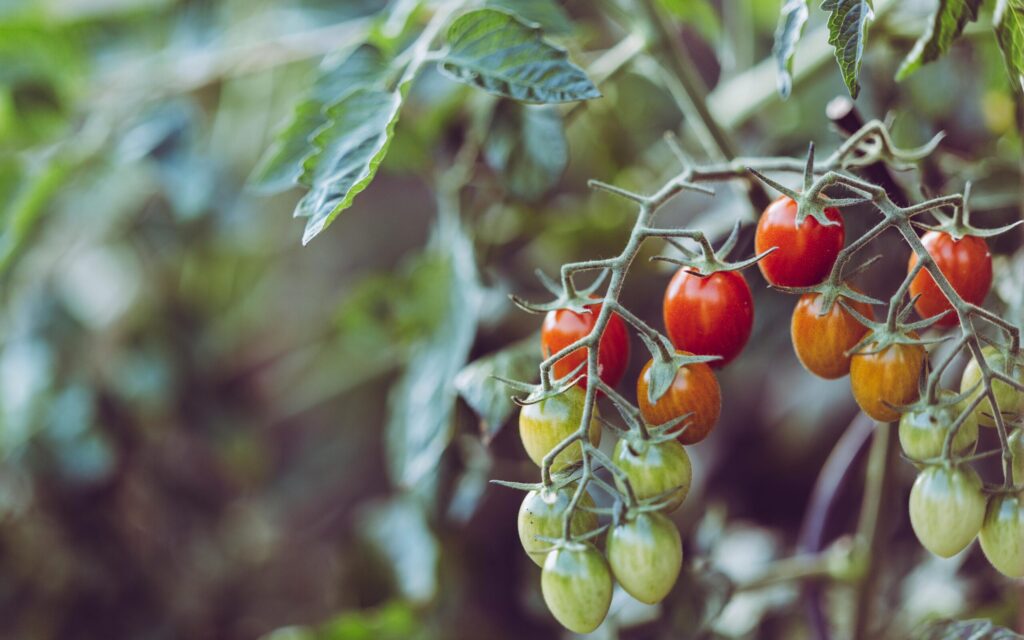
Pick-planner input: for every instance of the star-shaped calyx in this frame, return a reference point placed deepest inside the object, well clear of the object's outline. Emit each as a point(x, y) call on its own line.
point(959, 224)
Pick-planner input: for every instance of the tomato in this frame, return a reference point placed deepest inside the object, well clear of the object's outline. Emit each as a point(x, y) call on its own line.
point(923, 432)
point(947, 508)
point(654, 469)
point(694, 389)
point(821, 342)
point(645, 554)
point(544, 424)
point(1017, 448)
point(564, 327)
point(1008, 398)
point(709, 316)
point(577, 586)
point(889, 376)
point(1002, 534)
point(541, 514)
point(806, 252)
point(967, 265)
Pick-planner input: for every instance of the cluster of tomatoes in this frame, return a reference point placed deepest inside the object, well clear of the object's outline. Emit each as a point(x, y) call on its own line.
point(712, 314)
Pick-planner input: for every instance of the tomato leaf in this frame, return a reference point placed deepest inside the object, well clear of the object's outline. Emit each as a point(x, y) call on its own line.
point(547, 13)
point(792, 17)
point(526, 147)
point(700, 595)
point(965, 630)
point(399, 531)
point(499, 53)
point(1009, 27)
point(490, 398)
point(947, 23)
point(847, 30)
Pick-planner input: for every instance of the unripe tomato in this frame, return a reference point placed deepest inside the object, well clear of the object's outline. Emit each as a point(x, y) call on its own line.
point(821, 342)
point(1002, 534)
point(923, 432)
point(1017, 448)
point(1008, 398)
point(889, 376)
point(654, 469)
point(564, 327)
point(694, 389)
point(645, 555)
point(544, 424)
point(541, 514)
point(947, 508)
point(806, 252)
point(577, 586)
point(709, 316)
point(967, 265)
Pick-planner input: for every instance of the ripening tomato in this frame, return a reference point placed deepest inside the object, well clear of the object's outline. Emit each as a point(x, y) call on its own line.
point(544, 424)
point(564, 327)
point(967, 265)
point(541, 514)
point(577, 586)
point(1008, 398)
point(645, 554)
point(923, 432)
point(1017, 448)
point(947, 508)
point(1002, 534)
point(709, 316)
point(694, 389)
point(821, 341)
point(655, 468)
point(806, 252)
point(888, 377)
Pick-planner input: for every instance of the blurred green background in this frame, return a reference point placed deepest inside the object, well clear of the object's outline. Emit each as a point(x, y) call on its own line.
point(208, 430)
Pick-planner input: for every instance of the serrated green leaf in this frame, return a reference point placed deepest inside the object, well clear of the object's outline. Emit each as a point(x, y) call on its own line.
point(965, 630)
point(847, 31)
point(792, 17)
point(946, 25)
point(487, 396)
point(498, 53)
point(1009, 26)
point(347, 151)
point(547, 13)
point(526, 146)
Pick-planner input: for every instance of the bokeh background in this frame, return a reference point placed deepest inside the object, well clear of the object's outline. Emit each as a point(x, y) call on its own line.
point(208, 430)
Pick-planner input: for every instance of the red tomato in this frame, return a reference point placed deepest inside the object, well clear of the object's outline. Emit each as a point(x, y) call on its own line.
point(709, 316)
point(563, 327)
point(967, 265)
point(805, 253)
point(694, 390)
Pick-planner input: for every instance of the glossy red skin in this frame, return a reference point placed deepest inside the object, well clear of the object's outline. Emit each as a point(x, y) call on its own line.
point(967, 265)
point(563, 327)
point(710, 316)
point(805, 253)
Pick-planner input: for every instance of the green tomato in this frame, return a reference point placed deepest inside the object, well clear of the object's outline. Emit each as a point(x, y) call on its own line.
point(1017, 448)
point(577, 586)
point(646, 554)
point(655, 468)
point(947, 508)
point(541, 515)
point(1002, 535)
point(1008, 398)
point(923, 432)
point(544, 424)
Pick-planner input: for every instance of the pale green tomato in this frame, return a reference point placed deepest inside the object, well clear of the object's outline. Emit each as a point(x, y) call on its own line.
point(646, 554)
point(923, 432)
point(541, 515)
point(1017, 448)
point(577, 586)
point(1008, 398)
point(654, 469)
point(543, 425)
point(947, 508)
point(1002, 535)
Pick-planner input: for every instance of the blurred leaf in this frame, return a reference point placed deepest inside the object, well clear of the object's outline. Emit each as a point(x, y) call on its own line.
point(699, 597)
point(282, 165)
point(699, 13)
point(947, 23)
point(490, 398)
point(1009, 26)
point(965, 630)
point(547, 13)
point(399, 531)
point(500, 54)
point(473, 481)
point(393, 621)
point(792, 17)
point(526, 146)
point(847, 31)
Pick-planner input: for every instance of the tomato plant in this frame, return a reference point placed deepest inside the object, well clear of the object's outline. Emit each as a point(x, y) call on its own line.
point(805, 252)
point(542, 513)
point(694, 390)
point(709, 315)
point(563, 327)
point(947, 508)
point(967, 265)
point(544, 424)
point(577, 586)
point(645, 553)
point(821, 341)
